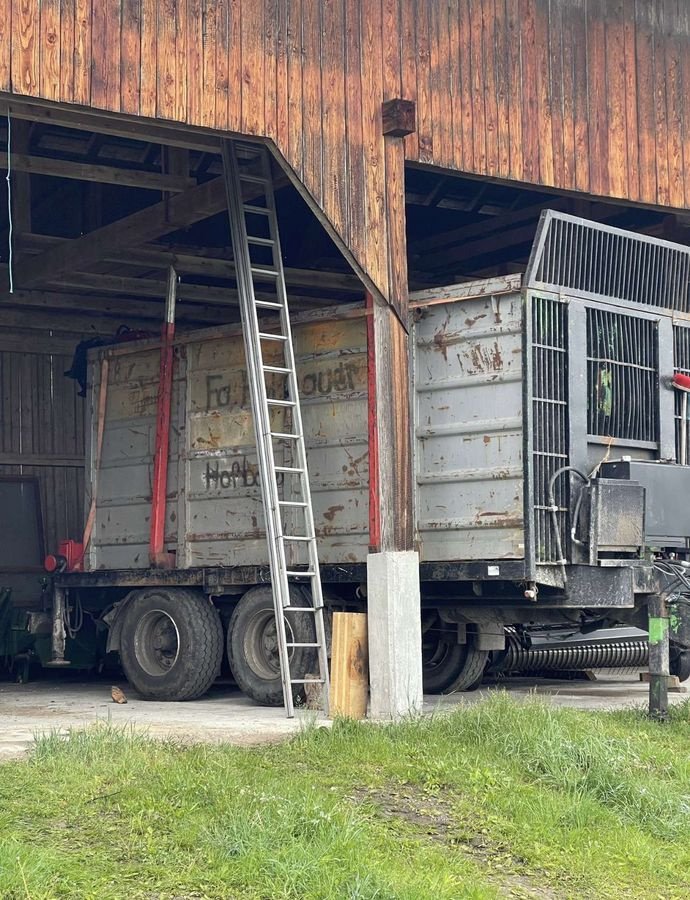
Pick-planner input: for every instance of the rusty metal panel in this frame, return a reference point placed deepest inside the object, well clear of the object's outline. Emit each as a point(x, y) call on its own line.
point(468, 429)
point(123, 479)
point(214, 511)
point(224, 517)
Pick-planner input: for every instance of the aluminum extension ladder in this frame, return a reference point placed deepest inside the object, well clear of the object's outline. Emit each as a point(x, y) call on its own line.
point(256, 247)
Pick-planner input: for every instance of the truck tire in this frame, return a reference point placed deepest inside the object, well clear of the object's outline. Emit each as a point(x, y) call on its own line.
point(680, 663)
point(253, 646)
point(470, 670)
point(442, 659)
point(171, 644)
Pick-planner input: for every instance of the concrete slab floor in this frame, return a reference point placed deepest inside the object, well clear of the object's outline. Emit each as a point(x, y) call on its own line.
point(226, 715)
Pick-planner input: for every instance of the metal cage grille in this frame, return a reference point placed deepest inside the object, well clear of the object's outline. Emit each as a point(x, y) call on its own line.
point(622, 377)
point(681, 363)
point(550, 423)
point(588, 259)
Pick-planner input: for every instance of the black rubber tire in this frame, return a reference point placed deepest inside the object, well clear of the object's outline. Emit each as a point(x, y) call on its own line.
point(442, 659)
point(253, 650)
point(470, 672)
point(680, 664)
point(171, 644)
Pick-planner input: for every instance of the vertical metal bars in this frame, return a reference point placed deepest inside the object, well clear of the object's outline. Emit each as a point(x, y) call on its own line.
point(681, 364)
point(622, 376)
point(550, 422)
point(591, 260)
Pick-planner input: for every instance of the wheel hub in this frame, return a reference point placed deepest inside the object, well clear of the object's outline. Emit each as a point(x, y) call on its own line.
point(156, 642)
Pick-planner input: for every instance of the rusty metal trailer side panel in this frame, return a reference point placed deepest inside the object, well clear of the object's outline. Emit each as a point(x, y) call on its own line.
point(214, 515)
point(468, 364)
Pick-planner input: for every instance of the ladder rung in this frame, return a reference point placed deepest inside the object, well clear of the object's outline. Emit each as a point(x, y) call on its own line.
point(292, 503)
point(254, 179)
point(260, 210)
point(261, 270)
point(289, 470)
point(280, 370)
point(268, 304)
point(272, 401)
point(272, 336)
point(304, 609)
point(260, 241)
point(295, 644)
point(296, 537)
point(284, 435)
point(292, 574)
point(307, 680)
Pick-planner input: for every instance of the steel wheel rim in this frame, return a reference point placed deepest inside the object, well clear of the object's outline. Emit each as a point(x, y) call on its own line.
point(261, 644)
point(156, 642)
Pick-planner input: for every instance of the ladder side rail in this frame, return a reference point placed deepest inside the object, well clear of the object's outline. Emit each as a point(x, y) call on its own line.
point(260, 411)
point(298, 427)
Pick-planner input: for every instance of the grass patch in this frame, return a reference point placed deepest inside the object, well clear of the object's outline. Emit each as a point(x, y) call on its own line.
point(504, 798)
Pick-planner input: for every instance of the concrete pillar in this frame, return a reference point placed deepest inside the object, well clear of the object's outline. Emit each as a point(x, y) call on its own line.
point(395, 634)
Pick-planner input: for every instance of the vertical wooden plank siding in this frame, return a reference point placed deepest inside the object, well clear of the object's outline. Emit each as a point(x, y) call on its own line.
point(67, 31)
point(149, 57)
point(660, 110)
point(674, 103)
point(228, 66)
point(26, 23)
point(253, 107)
point(49, 53)
point(587, 95)
point(684, 29)
point(130, 56)
point(333, 86)
point(423, 55)
point(6, 50)
point(42, 416)
point(195, 42)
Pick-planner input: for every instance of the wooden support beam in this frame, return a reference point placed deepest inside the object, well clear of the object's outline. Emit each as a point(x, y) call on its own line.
point(390, 496)
point(19, 180)
point(112, 124)
point(490, 226)
point(473, 249)
point(110, 306)
point(180, 211)
point(398, 117)
point(143, 287)
point(79, 171)
point(186, 261)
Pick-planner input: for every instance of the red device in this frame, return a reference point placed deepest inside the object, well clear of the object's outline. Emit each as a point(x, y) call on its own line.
point(69, 558)
point(680, 381)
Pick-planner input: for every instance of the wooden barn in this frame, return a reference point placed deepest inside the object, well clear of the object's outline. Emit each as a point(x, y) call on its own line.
point(414, 144)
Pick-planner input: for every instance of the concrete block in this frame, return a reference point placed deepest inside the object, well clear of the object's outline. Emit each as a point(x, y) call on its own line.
point(395, 634)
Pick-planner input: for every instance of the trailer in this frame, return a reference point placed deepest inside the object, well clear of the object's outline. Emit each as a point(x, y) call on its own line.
point(550, 450)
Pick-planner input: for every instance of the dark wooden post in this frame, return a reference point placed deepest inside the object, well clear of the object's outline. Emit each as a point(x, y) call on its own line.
point(658, 657)
point(389, 385)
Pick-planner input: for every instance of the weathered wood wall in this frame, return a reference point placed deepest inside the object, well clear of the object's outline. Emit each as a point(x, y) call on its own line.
point(589, 95)
point(42, 433)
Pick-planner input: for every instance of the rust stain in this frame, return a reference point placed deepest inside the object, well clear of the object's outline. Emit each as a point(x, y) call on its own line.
point(485, 359)
point(331, 511)
point(471, 322)
point(487, 439)
point(441, 342)
point(355, 462)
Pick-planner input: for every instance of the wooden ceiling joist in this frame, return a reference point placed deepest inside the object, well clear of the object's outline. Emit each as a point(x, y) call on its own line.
point(180, 211)
point(201, 261)
point(79, 171)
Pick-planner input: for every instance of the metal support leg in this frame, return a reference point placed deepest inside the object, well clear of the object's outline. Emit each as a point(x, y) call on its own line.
point(658, 657)
point(59, 636)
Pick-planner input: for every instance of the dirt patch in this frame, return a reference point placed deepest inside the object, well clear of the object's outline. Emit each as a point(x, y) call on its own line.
point(433, 818)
